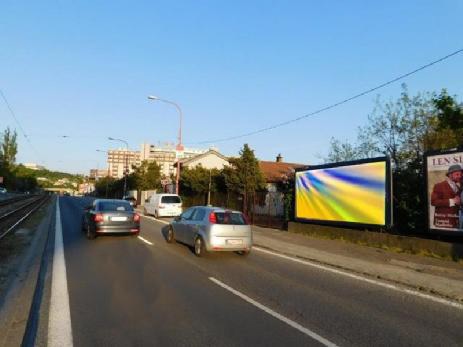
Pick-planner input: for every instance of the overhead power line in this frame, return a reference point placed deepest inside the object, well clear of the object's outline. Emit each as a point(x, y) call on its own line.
point(13, 114)
point(278, 125)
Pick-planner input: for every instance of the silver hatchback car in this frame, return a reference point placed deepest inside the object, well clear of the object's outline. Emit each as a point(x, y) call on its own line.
point(212, 229)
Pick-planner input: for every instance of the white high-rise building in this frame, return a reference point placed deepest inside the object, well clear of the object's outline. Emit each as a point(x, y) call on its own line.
point(167, 156)
point(118, 159)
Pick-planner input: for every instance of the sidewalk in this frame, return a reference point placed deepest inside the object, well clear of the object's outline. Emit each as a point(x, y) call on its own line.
point(441, 277)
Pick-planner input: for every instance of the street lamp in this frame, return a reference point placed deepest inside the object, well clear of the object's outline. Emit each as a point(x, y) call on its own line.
point(126, 162)
point(179, 145)
point(107, 176)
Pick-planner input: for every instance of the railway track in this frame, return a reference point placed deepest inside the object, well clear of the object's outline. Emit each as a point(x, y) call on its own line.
point(13, 200)
point(14, 211)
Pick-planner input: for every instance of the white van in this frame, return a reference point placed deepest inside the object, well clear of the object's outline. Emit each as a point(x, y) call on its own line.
point(163, 205)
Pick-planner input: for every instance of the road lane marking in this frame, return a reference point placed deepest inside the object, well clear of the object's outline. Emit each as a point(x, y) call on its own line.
point(155, 219)
point(364, 279)
point(59, 322)
point(282, 318)
point(145, 240)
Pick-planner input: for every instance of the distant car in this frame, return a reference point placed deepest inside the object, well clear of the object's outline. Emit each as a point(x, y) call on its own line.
point(212, 229)
point(131, 200)
point(163, 205)
point(110, 216)
point(3, 190)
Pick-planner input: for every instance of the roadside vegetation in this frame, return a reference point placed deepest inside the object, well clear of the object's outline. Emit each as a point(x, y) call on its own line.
point(234, 186)
point(17, 177)
point(404, 129)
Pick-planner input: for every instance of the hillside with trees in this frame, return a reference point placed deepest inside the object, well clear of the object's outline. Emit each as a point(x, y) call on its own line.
point(19, 178)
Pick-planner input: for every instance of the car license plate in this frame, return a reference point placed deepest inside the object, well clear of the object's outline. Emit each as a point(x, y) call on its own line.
point(234, 242)
point(119, 219)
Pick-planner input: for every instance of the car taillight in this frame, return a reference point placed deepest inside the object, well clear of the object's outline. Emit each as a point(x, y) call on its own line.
point(98, 217)
point(136, 217)
point(212, 218)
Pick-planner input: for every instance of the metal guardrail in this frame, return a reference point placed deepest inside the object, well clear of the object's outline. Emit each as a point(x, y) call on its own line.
point(21, 213)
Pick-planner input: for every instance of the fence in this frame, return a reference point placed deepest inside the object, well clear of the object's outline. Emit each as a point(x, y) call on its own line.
point(267, 209)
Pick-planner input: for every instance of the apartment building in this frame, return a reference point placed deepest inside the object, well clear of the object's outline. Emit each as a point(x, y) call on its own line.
point(166, 156)
point(118, 159)
point(96, 174)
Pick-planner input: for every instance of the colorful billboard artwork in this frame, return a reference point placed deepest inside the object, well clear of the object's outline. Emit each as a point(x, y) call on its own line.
point(353, 193)
point(444, 188)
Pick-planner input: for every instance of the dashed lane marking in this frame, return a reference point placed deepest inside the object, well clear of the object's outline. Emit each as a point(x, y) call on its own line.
point(145, 241)
point(364, 279)
point(59, 322)
point(276, 315)
point(155, 219)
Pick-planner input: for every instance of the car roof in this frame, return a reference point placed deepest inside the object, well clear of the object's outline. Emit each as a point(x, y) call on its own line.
point(110, 200)
point(218, 209)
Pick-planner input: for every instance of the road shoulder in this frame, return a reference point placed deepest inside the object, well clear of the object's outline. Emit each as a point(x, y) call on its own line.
point(20, 284)
point(438, 277)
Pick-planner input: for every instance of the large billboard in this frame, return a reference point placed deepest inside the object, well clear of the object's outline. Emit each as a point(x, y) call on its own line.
point(345, 193)
point(444, 190)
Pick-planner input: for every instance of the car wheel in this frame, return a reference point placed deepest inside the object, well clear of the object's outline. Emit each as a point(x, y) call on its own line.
point(156, 214)
point(91, 235)
point(244, 253)
point(145, 212)
point(170, 238)
point(200, 250)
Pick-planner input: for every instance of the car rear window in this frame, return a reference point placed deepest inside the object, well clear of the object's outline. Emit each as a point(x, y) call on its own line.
point(170, 199)
point(114, 206)
point(234, 218)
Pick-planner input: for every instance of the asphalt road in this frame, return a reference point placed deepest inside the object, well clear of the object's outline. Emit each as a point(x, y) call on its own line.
point(126, 292)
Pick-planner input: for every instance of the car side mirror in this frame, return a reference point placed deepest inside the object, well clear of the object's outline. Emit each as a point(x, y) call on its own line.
point(88, 208)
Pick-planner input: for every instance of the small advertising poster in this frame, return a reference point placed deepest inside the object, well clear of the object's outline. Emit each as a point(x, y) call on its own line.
point(445, 185)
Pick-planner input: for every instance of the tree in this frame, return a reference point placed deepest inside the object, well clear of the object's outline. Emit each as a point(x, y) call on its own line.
point(8, 148)
point(404, 129)
point(447, 129)
point(395, 128)
point(244, 176)
point(196, 180)
point(341, 151)
point(147, 176)
point(104, 187)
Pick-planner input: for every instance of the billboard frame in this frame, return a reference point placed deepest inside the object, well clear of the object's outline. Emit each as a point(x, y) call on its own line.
point(353, 225)
point(426, 155)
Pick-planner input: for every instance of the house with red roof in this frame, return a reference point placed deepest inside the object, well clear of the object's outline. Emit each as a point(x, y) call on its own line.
point(275, 172)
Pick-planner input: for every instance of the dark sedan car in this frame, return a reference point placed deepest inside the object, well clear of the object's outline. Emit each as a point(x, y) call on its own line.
point(110, 216)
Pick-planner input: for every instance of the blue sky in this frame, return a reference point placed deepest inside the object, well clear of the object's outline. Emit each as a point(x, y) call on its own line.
point(84, 69)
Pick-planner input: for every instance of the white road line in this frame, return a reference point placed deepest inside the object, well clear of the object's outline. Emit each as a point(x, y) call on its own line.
point(364, 279)
point(145, 241)
point(155, 219)
point(288, 321)
point(59, 322)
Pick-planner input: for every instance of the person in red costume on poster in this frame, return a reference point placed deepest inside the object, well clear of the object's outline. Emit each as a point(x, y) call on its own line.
point(447, 200)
